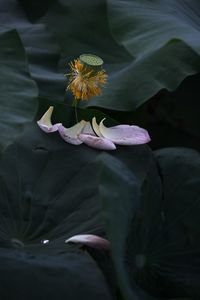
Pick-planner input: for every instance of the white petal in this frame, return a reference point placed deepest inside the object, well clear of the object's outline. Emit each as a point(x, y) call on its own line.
point(125, 134)
point(97, 142)
point(71, 135)
point(45, 122)
point(96, 127)
point(90, 240)
point(88, 129)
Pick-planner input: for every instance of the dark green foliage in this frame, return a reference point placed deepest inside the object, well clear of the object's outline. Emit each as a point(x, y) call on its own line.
point(145, 203)
point(159, 250)
point(35, 9)
point(48, 192)
point(18, 91)
point(51, 191)
point(63, 274)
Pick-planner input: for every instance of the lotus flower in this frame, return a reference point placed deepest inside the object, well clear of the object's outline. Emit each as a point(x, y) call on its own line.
point(96, 136)
point(86, 77)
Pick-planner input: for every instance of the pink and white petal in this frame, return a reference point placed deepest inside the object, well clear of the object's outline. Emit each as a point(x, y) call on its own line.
point(49, 129)
point(91, 240)
point(125, 134)
point(71, 135)
point(97, 142)
point(88, 129)
point(45, 122)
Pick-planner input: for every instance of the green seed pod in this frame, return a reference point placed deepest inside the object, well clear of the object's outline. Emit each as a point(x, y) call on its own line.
point(91, 60)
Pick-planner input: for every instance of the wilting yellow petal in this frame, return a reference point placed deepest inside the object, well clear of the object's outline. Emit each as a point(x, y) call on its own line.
point(86, 81)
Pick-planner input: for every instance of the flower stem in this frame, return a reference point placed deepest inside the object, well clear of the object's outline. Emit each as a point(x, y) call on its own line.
point(74, 104)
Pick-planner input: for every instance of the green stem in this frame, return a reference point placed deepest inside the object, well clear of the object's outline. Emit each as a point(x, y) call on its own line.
point(74, 104)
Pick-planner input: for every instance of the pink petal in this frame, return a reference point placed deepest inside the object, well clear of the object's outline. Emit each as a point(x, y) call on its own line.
point(70, 135)
point(90, 240)
point(97, 142)
point(125, 134)
point(49, 129)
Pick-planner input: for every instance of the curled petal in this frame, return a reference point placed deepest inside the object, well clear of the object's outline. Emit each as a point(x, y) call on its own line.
point(71, 135)
point(45, 122)
point(97, 142)
point(91, 240)
point(96, 127)
point(124, 134)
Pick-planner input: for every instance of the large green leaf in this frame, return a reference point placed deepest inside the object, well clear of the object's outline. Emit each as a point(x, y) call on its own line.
point(40, 46)
point(77, 30)
point(35, 9)
point(49, 187)
point(68, 274)
point(18, 91)
point(155, 244)
point(178, 255)
point(180, 172)
point(50, 190)
point(153, 47)
point(163, 39)
point(77, 25)
point(158, 57)
point(119, 209)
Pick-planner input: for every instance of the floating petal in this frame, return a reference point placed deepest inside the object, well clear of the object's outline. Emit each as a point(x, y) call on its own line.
point(90, 240)
point(97, 142)
point(124, 134)
point(71, 135)
point(45, 122)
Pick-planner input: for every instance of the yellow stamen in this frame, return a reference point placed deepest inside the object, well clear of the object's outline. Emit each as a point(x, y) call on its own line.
point(85, 81)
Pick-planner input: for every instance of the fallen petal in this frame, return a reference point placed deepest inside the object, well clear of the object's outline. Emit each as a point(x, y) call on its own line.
point(96, 127)
point(97, 142)
point(45, 122)
point(88, 129)
point(91, 240)
point(124, 134)
point(49, 129)
point(71, 135)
